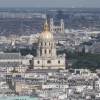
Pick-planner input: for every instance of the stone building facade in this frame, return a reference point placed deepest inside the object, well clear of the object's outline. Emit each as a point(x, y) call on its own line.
point(46, 52)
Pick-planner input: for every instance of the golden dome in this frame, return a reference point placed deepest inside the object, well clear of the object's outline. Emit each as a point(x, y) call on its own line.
point(46, 35)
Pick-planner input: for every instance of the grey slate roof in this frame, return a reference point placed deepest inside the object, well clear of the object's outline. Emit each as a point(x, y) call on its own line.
point(10, 55)
point(7, 64)
point(41, 70)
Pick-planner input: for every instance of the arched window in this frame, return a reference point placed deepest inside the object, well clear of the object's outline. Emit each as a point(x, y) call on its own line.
point(38, 62)
point(49, 61)
point(59, 62)
point(45, 51)
point(30, 61)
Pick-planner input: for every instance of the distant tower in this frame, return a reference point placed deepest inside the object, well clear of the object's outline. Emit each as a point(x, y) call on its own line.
point(51, 25)
point(62, 25)
point(60, 14)
point(17, 86)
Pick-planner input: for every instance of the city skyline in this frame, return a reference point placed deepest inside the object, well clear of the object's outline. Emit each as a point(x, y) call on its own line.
point(49, 3)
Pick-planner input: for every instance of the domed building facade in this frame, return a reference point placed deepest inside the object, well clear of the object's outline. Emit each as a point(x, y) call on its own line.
point(46, 52)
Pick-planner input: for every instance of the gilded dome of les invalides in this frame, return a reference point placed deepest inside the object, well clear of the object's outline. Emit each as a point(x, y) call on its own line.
point(46, 35)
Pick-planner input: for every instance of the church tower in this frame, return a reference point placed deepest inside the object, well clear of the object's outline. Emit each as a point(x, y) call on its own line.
point(55, 29)
point(62, 25)
point(51, 25)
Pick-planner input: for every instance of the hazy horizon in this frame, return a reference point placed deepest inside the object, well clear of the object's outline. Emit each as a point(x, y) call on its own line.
point(50, 3)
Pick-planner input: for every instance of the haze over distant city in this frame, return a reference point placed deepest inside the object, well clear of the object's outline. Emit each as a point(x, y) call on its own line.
point(49, 3)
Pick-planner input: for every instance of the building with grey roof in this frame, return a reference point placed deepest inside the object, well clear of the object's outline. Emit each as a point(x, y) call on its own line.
point(10, 56)
point(12, 61)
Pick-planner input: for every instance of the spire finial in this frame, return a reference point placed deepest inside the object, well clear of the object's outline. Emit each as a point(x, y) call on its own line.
point(46, 28)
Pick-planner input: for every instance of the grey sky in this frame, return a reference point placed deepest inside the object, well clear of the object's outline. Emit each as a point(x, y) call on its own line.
point(49, 3)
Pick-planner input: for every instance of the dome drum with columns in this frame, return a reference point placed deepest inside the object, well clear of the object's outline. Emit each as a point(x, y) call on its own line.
point(46, 52)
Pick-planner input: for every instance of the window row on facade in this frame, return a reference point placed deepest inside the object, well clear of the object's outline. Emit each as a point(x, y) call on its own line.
point(45, 51)
point(48, 61)
point(46, 43)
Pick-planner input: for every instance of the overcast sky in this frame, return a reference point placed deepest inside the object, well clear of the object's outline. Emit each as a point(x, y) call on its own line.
point(49, 3)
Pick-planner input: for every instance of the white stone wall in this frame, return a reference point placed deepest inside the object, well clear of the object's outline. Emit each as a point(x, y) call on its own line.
point(43, 63)
point(26, 61)
point(19, 69)
point(54, 86)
